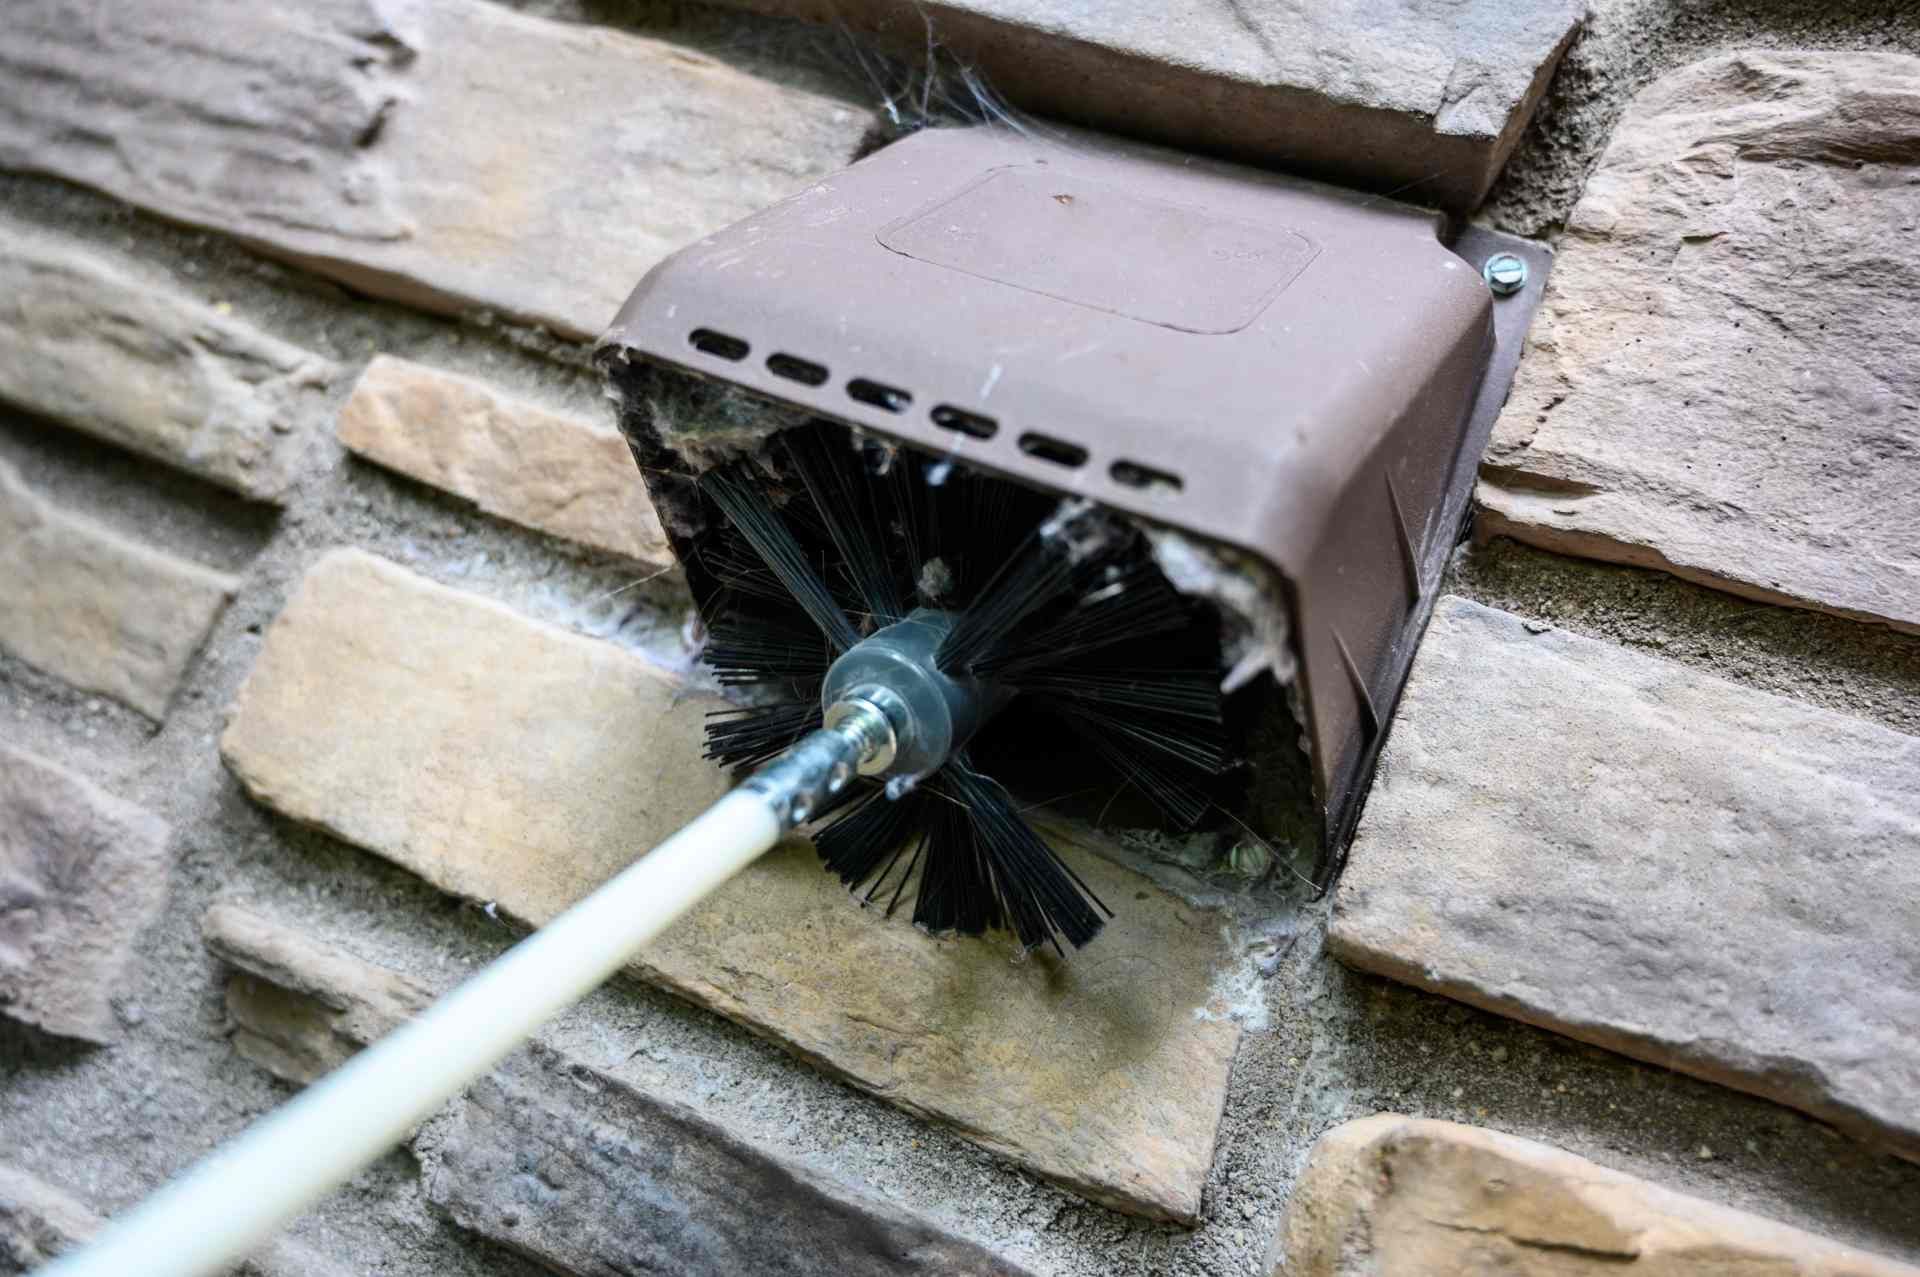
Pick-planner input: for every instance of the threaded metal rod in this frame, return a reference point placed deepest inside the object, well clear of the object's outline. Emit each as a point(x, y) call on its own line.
point(800, 783)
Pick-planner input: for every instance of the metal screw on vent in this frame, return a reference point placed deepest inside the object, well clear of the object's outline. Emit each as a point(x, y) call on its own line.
point(1505, 273)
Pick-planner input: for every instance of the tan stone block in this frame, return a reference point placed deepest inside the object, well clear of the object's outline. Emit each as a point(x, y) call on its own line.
point(1721, 381)
point(1392, 1196)
point(557, 474)
point(449, 153)
point(507, 761)
point(150, 367)
point(1106, 1073)
point(81, 874)
point(1645, 857)
point(499, 758)
point(96, 609)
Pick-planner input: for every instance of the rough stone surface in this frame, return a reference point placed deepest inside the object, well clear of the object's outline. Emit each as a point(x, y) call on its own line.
point(1721, 380)
point(514, 764)
point(449, 153)
point(96, 609)
point(488, 753)
point(1388, 94)
point(1393, 1196)
point(1613, 846)
point(1624, 45)
point(587, 1175)
point(299, 1008)
point(1868, 671)
point(147, 366)
point(81, 872)
point(1105, 1073)
point(561, 1162)
point(39, 1222)
point(558, 474)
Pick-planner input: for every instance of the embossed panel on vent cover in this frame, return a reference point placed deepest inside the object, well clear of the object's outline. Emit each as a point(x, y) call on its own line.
point(1105, 247)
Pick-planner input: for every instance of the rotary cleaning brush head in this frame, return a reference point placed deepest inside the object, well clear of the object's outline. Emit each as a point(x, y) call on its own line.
point(1072, 467)
point(976, 618)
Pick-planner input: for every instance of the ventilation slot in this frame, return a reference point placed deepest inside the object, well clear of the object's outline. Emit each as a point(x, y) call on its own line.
point(971, 424)
point(719, 345)
point(1058, 451)
point(891, 398)
point(1132, 474)
point(794, 368)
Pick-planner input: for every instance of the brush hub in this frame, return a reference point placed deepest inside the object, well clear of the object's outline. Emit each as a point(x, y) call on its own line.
point(895, 670)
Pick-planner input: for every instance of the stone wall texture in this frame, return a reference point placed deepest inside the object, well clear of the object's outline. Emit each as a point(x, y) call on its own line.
point(561, 475)
point(1721, 381)
point(1670, 865)
point(449, 153)
point(617, 1180)
point(145, 364)
point(39, 1223)
point(96, 608)
point(340, 646)
point(514, 764)
point(1422, 100)
point(83, 872)
point(1392, 1196)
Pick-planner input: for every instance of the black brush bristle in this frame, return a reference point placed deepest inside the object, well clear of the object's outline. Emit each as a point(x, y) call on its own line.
point(766, 650)
point(733, 490)
point(1057, 602)
point(1038, 574)
point(1019, 882)
point(869, 838)
point(751, 735)
point(844, 487)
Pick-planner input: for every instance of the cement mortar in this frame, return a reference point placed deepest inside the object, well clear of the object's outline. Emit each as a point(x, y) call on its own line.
point(1865, 670)
point(111, 1124)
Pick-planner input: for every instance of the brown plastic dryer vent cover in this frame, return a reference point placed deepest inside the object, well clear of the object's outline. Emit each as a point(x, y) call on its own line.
point(1298, 374)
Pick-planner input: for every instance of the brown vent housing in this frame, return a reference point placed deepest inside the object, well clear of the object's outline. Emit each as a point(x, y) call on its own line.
point(1299, 373)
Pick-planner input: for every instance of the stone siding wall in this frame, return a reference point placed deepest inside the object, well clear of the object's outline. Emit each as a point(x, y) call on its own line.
point(339, 645)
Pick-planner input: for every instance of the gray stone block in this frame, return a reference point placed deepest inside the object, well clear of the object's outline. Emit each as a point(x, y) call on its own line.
point(1638, 855)
point(81, 874)
point(97, 609)
point(562, 1163)
point(449, 153)
point(589, 1176)
point(1420, 99)
point(145, 364)
point(1722, 381)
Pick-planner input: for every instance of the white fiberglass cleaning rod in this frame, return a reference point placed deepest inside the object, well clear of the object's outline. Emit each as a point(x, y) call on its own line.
point(228, 1205)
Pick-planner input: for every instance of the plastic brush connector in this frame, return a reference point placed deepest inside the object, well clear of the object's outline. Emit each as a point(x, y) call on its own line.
point(897, 670)
point(888, 711)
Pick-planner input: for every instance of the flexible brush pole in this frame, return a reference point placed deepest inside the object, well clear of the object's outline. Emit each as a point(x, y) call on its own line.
point(237, 1198)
